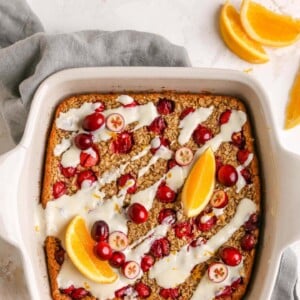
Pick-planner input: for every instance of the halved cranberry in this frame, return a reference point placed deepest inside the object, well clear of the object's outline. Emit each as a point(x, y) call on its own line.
point(68, 291)
point(160, 248)
point(122, 144)
point(60, 255)
point(165, 106)
point(83, 141)
point(79, 293)
point(103, 250)
point(93, 121)
point(124, 291)
point(100, 108)
point(137, 213)
point(86, 175)
point(225, 116)
point(59, 188)
point(158, 125)
point(247, 175)
point(167, 216)
point(248, 242)
point(100, 231)
point(117, 259)
point(131, 269)
point(123, 180)
point(202, 134)
point(142, 289)
point(88, 160)
point(219, 199)
point(185, 112)
point(165, 194)
point(227, 175)
point(172, 163)
point(231, 256)
point(242, 155)
point(183, 229)
point(68, 172)
point(205, 221)
point(169, 293)
point(238, 140)
point(147, 262)
point(252, 223)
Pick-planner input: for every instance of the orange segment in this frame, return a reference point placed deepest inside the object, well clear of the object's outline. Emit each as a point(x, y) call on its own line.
point(80, 249)
point(199, 185)
point(292, 117)
point(267, 27)
point(237, 39)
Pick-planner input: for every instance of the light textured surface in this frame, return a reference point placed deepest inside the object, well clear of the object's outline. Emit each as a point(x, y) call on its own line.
point(192, 24)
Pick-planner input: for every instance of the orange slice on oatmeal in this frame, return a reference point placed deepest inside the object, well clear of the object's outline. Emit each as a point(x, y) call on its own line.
point(267, 27)
point(236, 38)
point(80, 249)
point(199, 184)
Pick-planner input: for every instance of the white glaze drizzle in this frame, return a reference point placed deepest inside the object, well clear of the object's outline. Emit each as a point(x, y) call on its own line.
point(64, 145)
point(241, 182)
point(71, 157)
point(191, 121)
point(179, 265)
point(125, 99)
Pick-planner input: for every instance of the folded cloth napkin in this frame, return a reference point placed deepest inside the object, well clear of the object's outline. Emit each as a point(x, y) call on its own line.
point(28, 56)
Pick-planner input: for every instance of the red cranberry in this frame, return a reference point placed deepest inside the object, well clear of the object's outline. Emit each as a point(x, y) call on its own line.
point(163, 142)
point(158, 125)
point(124, 291)
point(247, 175)
point(238, 140)
point(183, 229)
point(198, 242)
point(123, 180)
point(117, 259)
point(147, 262)
point(100, 231)
point(167, 215)
point(93, 121)
point(202, 134)
point(122, 144)
point(60, 255)
point(252, 223)
point(79, 293)
point(160, 248)
point(83, 141)
point(68, 172)
point(101, 107)
point(227, 291)
point(231, 256)
point(103, 250)
point(225, 116)
point(172, 163)
point(137, 213)
point(132, 104)
point(88, 160)
point(227, 175)
point(164, 194)
point(68, 291)
point(236, 283)
point(86, 175)
point(165, 106)
point(185, 112)
point(205, 222)
point(242, 155)
point(142, 289)
point(59, 188)
point(248, 242)
point(169, 293)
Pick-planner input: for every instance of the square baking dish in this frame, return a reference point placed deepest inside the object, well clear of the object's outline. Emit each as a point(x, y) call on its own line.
point(21, 169)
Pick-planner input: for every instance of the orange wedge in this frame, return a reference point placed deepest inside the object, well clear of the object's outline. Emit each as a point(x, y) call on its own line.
point(292, 117)
point(267, 27)
point(237, 39)
point(80, 249)
point(199, 184)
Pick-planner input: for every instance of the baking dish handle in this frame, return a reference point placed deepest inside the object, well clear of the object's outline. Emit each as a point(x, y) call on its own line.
point(289, 204)
point(10, 169)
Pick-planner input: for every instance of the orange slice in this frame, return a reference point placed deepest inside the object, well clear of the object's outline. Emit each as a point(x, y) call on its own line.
point(237, 39)
point(292, 117)
point(199, 185)
point(267, 27)
point(80, 249)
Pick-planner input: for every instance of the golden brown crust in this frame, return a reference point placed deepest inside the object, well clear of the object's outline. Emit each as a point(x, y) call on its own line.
point(226, 151)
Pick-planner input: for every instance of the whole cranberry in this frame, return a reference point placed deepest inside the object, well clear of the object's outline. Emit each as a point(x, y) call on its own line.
point(147, 262)
point(83, 141)
point(122, 143)
point(238, 140)
point(93, 121)
point(205, 221)
point(103, 250)
point(167, 215)
point(252, 223)
point(242, 155)
point(100, 231)
point(183, 229)
point(165, 106)
point(142, 289)
point(160, 248)
point(68, 172)
point(169, 293)
point(231, 256)
point(86, 175)
point(158, 125)
point(247, 175)
point(225, 116)
point(117, 259)
point(122, 181)
point(165, 194)
point(186, 112)
point(227, 175)
point(248, 242)
point(202, 134)
point(88, 160)
point(79, 293)
point(137, 213)
point(59, 188)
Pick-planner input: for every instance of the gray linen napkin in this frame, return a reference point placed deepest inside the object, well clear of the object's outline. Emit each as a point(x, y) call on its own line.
point(28, 56)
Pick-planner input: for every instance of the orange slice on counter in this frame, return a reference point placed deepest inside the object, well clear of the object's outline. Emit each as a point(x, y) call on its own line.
point(199, 184)
point(236, 38)
point(292, 117)
point(80, 249)
point(267, 27)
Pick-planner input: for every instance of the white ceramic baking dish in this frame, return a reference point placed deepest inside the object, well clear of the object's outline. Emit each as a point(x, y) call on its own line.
point(21, 169)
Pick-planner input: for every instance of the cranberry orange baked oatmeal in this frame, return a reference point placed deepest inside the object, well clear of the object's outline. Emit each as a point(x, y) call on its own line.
point(151, 196)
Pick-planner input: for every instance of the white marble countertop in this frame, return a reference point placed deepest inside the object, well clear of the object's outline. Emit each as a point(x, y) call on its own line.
point(192, 24)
